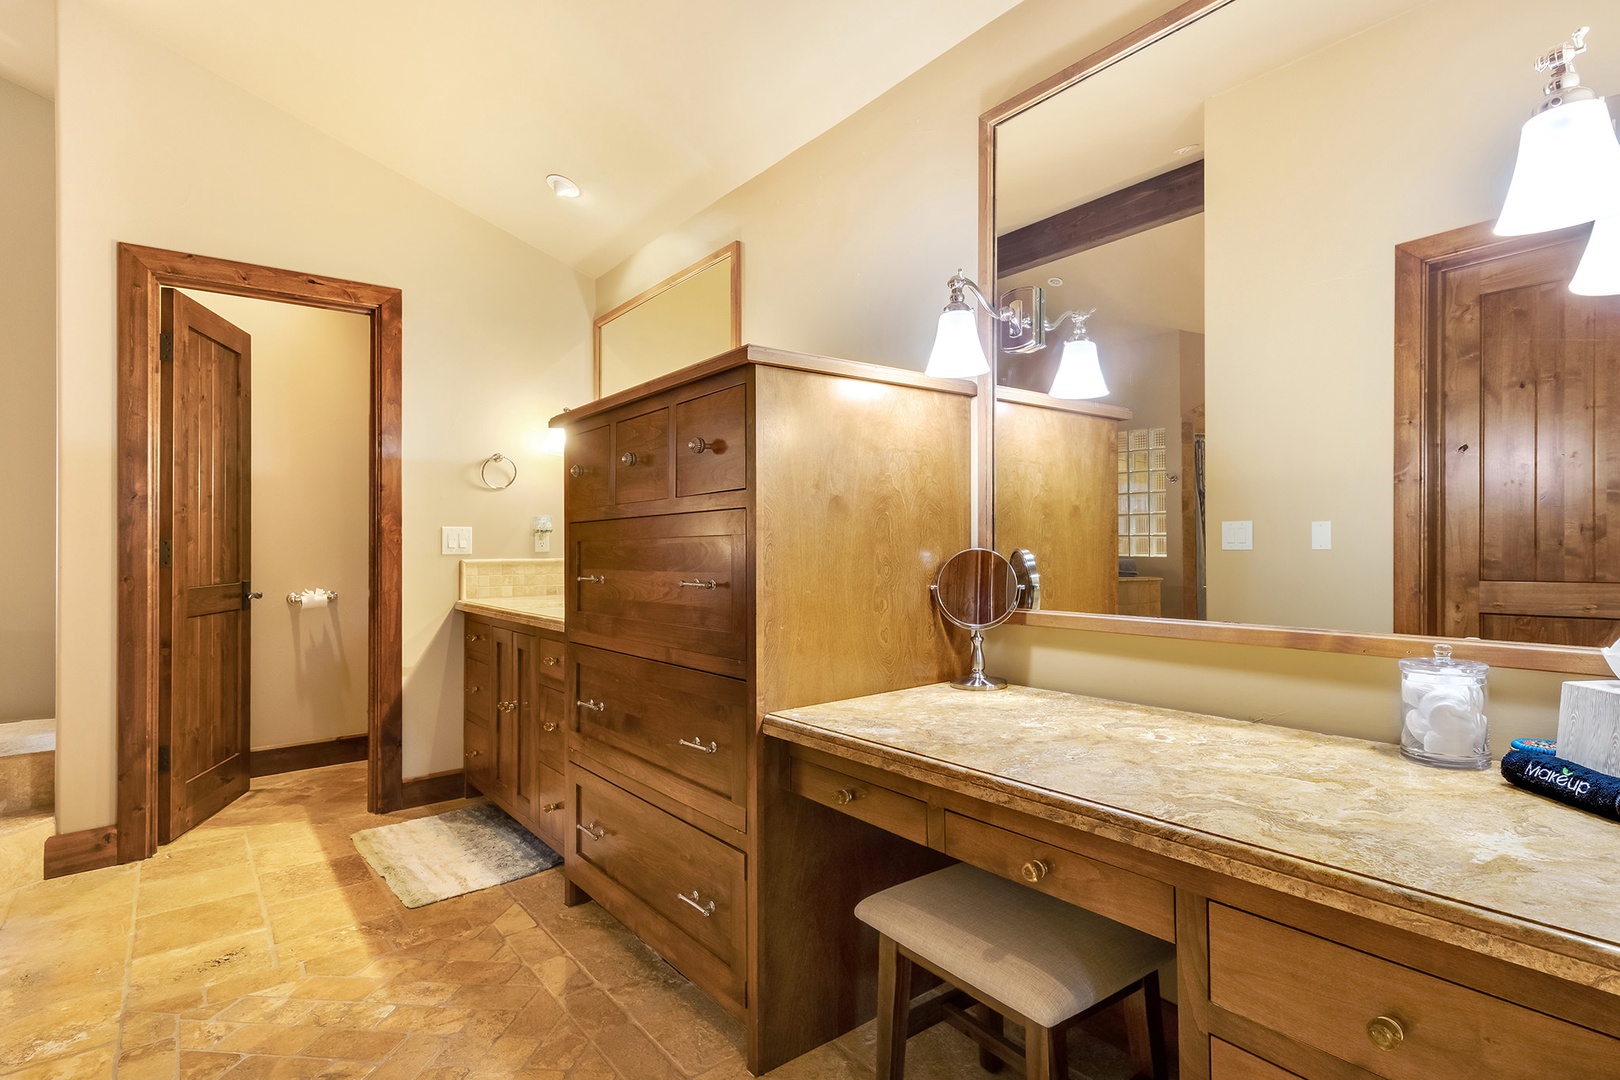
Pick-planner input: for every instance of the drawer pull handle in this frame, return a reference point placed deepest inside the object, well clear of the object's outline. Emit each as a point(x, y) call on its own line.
point(548, 726)
point(1385, 1032)
point(549, 661)
point(577, 471)
point(628, 458)
point(593, 830)
point(706, 910)
point(506, 706)
point(595, 579)
point(846, 795)
point(475, 637)
point(1034, 870)
point(593, 705)
point(698, 584)
point(551, 807)
point(697, 446)
point(698, 744)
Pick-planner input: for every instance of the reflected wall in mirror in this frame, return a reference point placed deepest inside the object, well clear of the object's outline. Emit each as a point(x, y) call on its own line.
point(689, 316)
point(1230, 198)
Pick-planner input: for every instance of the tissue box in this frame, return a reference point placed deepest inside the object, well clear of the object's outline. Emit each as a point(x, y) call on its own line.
point(1589, 725)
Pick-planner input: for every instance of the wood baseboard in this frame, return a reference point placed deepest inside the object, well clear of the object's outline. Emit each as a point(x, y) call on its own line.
point(435, 787)
point(310, 755)
point(76, 852)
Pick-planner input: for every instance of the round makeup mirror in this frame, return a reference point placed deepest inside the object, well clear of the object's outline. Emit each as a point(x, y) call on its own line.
point(977, 589)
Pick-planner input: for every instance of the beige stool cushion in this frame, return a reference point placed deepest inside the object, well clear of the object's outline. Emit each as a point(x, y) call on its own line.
point(1035, 954)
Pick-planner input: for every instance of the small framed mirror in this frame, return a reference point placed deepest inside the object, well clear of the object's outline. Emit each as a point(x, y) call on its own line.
point(977, 589)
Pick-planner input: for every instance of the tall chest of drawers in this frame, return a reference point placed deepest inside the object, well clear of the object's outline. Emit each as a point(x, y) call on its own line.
point(752, 533)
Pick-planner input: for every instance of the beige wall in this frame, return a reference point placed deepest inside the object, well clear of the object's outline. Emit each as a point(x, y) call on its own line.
point(28, 405)
point(1314, 173)
point(850, 239)
point(496, 340)
point(311, 485)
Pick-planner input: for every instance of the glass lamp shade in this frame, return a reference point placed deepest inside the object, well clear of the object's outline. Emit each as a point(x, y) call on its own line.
point(1079, 376)
point(957, 352)
point(1568, 170)
point(555, 439)
point(1599, 272)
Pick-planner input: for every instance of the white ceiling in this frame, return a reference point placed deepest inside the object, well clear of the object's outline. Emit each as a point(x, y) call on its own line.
point(655, 108)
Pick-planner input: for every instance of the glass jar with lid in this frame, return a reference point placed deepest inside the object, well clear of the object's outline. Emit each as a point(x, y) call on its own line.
point(1443, 711)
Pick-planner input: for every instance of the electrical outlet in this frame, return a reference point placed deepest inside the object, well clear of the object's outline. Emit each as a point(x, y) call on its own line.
point(1321, 536)
point(542, 533)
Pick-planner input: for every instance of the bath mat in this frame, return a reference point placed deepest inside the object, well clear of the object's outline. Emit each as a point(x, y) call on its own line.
point(434, 858)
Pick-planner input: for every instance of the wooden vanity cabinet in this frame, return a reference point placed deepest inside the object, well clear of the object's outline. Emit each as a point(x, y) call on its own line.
point(753, 532)
point(513, 730)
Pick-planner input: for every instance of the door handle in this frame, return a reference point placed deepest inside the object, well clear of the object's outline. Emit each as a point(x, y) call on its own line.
point(248, 596)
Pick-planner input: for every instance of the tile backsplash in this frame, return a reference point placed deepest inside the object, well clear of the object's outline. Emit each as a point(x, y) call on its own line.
point(482, 579)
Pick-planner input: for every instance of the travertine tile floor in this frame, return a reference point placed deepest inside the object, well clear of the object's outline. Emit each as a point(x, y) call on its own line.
point(261, 945)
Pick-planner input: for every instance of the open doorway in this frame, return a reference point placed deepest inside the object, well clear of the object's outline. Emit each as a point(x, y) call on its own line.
point(143, 665)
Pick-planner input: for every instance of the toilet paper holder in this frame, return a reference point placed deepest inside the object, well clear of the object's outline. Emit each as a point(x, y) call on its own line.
point(298, 599)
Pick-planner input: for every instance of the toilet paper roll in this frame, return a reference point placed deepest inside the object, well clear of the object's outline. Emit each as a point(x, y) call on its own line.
point(313, 598)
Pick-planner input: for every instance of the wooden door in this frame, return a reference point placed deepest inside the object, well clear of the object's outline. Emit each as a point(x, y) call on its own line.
point(530, 712)
point(204, 565)
point(1528, 519)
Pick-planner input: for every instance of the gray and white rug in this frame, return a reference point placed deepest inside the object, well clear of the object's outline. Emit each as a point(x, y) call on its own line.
point(434, 858)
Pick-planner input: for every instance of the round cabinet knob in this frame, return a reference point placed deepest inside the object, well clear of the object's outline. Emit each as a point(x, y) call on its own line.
point(548, 727)
point(551, 807)
point(697, 446)
point(1385, 1032)
point(549, 661)
point(628, 458)
point(846, 795)
point(474, 753)
point(1034, 870)
point(475, 637)
point(472, 689)
point(577, 471)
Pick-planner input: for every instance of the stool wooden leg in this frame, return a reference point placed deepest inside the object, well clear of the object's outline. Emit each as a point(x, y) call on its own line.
point(1046, 1053)
point(893, 1009)
point(1155, 1026)
point(995, 1022)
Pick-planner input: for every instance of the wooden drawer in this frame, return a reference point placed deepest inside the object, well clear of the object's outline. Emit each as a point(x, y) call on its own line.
point(641, 466)
point(681, 731)
point(551, 724)
point(1124, 896)
point(639, 862)
point(872, 803)
point(672, 588)
point(479, 689)
point(711, 442)
point(1227, 1062)
point(478, 757)
point(588, 472)
point(551, 816)
point(550, 659)
point(1326, 995)
point(479, 639)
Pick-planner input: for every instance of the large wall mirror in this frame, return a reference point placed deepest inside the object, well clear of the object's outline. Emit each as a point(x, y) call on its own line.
point(1228, 188)
point(689, 316)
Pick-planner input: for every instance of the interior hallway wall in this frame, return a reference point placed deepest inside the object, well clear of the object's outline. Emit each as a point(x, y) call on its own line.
point(849, 242)
point(311, 395)
point(496, 341)
point(28, 405)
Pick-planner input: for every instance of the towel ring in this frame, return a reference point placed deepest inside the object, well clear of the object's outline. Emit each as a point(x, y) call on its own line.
point(497, 459)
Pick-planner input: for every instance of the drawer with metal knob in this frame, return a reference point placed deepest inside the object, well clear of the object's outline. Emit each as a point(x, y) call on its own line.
point(1120, 894)
point(551, 658)
point(551, 807)
point(478, 761)
point(872, 803)
point(478, 638)
point(478, 690)
point(680, 731)
point(1390, 1020)
point(711, 442)
point(676, 886)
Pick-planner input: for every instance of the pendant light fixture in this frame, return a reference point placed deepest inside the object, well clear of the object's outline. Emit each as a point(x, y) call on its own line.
point(1568, 168)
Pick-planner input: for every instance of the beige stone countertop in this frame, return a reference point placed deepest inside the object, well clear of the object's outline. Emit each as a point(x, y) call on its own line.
point(544, 612)
point(1460, 856)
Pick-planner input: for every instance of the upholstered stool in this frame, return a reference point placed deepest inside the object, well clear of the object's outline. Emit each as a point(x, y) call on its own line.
point(1029, 957)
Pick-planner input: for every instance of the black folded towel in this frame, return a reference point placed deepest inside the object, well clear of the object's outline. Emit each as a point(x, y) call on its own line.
point(1547, 774)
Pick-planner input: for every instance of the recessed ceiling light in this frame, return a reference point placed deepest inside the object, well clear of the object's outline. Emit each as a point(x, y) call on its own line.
point(562, 187)
point(1189, 150)
point(1054, 281)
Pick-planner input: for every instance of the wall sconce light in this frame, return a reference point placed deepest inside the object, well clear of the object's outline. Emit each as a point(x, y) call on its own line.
point(1568, 168)
point(1599, 271)
point(1022, 327)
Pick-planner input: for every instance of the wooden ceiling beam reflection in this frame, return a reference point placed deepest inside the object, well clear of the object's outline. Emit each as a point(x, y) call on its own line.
point(1156, 201)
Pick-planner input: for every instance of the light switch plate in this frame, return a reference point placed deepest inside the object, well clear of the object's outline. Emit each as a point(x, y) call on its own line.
point(455, 540)
point(1237, 536)
point(1321, 536)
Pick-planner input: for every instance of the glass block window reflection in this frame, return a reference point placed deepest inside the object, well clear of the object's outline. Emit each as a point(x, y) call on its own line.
point(1144, 483)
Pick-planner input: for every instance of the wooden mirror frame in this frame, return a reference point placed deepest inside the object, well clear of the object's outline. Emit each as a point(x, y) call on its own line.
point(1409, 347)
point(732, 251)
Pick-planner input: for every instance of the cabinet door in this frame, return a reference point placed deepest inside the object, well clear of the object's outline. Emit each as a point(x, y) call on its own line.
point(552, 715)
point(524, 768)
point(504, 736)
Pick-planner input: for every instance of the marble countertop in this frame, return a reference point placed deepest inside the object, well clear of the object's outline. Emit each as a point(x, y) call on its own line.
point(544, 612)
point(1454, 855)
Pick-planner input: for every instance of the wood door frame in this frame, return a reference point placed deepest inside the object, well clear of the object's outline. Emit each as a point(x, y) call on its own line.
point(1419, 503)
point(142, 273)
